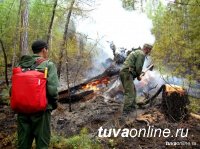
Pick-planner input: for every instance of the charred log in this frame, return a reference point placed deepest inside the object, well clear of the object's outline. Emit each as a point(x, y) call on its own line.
point(119, 59)
point(65, 98)
point(109, 72)
point(150, 100)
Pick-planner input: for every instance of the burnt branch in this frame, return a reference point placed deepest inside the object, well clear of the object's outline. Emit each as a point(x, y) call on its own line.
point(65, 98)
point(150, 100)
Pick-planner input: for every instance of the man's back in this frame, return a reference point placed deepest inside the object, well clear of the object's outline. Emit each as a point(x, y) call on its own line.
point(37, 126)
point(52, 78)
point(134, 62)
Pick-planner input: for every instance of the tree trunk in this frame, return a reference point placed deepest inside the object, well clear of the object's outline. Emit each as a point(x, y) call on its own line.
point(24, 27)
point(174, 102)
point(64, 44)
point(16, 39)
point(51, 23)
point(6, 63)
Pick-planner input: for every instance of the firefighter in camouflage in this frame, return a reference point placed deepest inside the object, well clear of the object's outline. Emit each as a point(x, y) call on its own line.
point(131, 69)
point(37, 126)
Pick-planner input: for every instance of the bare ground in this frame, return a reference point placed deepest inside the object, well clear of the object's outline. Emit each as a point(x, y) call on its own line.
point(97, 112)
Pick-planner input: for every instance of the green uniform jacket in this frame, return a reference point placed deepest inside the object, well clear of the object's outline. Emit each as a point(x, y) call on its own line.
point(52, 77)
point(134, 62)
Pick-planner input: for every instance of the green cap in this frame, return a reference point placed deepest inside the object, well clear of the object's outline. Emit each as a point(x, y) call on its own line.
point(148, 46)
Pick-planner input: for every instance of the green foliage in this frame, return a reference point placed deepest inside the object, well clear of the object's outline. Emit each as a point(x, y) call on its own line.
point(128, 4)
point(10, 139)
point(58, 142)
point(39, 18)
point(176, 31)
point(5, 97)
point(40, 12)
point(139, 4)
point(81, 141)
point(8, 23)
point(194, 105)
point(111, 143)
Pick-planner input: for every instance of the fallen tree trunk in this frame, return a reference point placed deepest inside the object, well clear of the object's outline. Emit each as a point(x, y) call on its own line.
point(75, 90)
point(196, 116)
point(150, 100)
point(64, 98)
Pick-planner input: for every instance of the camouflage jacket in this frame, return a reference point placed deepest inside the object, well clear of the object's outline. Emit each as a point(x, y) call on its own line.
point(134, 62)
point(52, 77)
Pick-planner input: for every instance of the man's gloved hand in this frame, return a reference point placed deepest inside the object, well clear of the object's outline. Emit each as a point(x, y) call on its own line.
point(139, 78)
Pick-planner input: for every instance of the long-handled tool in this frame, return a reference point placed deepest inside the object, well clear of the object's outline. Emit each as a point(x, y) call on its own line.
point(149, 68)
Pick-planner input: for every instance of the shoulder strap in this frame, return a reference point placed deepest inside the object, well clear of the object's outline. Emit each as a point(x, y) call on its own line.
point(39, 61)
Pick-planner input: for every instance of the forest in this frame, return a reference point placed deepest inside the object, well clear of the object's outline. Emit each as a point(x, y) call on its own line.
point(175, 54)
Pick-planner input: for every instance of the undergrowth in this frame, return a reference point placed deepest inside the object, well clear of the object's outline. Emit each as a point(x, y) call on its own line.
point(194, 105)
point(81, 141)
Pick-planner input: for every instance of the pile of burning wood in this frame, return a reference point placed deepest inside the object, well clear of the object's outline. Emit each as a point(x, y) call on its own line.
point(95, 84)
point(174, 98)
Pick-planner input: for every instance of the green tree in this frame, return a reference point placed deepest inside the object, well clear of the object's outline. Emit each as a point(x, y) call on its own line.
point(46, 19)
point(6, 62)
point(49, 34)
point(138, 4)
point(176, 30)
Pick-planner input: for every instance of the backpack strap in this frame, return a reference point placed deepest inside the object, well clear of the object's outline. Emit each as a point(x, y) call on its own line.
point(38, 62)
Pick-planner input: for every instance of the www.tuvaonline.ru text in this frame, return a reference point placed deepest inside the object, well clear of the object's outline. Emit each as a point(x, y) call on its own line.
point(142, 132)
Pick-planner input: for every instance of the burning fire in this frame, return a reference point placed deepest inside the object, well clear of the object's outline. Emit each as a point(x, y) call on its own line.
point(174, 88)
point(97, 84)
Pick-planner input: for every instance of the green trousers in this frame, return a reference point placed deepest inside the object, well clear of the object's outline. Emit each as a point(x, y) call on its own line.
point(129, 89)
point(36, 126)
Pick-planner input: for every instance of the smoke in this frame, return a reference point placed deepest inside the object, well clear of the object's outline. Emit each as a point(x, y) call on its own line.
point(153, 80)
point(110, 22)
point(125, 28)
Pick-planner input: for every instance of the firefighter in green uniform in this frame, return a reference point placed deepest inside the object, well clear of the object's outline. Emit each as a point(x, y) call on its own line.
point(131, 69)
point(37, 126)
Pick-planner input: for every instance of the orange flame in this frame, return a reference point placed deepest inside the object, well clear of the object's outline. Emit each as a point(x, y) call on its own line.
point(170, 88)
point(95, 85)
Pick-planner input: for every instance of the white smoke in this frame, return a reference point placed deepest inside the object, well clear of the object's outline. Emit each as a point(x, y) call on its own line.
point(125, 28)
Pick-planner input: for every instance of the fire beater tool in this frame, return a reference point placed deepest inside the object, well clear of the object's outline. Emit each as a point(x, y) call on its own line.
point(149, 68)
